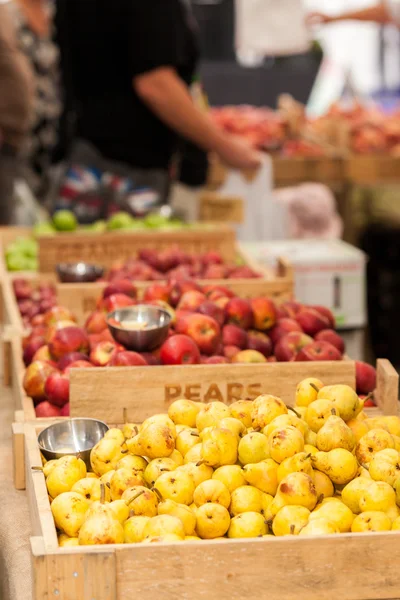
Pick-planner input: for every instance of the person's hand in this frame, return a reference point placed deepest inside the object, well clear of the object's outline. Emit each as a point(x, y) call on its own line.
point(237, 153)
point(318, 18)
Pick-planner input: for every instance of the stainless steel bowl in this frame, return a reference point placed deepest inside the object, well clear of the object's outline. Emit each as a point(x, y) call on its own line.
point(156, 321)
point(78, 272)
point(71, 437)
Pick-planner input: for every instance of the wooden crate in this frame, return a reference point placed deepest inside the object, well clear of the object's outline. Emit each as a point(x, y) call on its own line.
point(7, 236)
point(277, 284)
point(229, 570)
point(373, 169)
point(292, 171)
point(106, 248)
point(218, 207)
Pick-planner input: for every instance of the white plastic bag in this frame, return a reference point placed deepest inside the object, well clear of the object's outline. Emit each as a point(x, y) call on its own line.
point(271, 27)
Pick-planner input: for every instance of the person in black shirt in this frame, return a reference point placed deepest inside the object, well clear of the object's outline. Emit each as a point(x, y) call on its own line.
point(128, 66)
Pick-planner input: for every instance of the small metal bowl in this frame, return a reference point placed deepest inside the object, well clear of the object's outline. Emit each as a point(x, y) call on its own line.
point(157, 322)
point(78, 272)
point(73, 437)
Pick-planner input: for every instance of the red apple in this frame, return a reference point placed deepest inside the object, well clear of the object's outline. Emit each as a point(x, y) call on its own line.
point(312, 321)
point(329, 335)
point(215, 360)
point(212, 310)
point(191, 300)
point(78, 364)
point(221, 301)
point(238, 311)
point(122, 286)
point(318, 351)
point(32, 347)
point(282, 328)
point(213, 292)
point(288, 309)
point(36, 332)
point(57, 389)
point(156, 291)
point(326, 313)
point(249, 356)
point(65, 410)
point(264, 312)
point(243, 272)
point(58, 313)
point(290, 345)
point(178, 288)
point(257, 340)
point(103, 353)
point(51, 330)
point(69, 339)
point(69, 358)
point(37, 320)
point(96, 322)
point(23, 289)
point(205, 331)
point(216, 272)
point(128, 359)
point(179, 350)
point(35, 379)
point(211, 257)
point(45, 410)
point(116, 301)
point(231, 351)
point(151, 358)
point(365, 378)
point(232, 335)
point(43, 354)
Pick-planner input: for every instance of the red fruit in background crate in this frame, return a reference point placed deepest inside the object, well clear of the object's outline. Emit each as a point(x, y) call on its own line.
point(211, 257)
point(205, 331)
point(69, 339)
point(151, 359)
point(128, 359)
point(231, 351)
point(121, 286)
point(58, 313)
point(65, 410)
point(257, 340)
point(103, 353)
point(319, 351)
point(290, 345)
point(365, 378)
point(191, 300)
point(116, 301)
point(51, 330)
point(32, 347)
point(78, 364)
point(264, 311)
point(156, 291)
point(45, 409)
point(288, 309)
point(215, 360)
point(249, 356)
point(71, 357)
point(216, 272)
point(329, 335)
point(239, 312)
point(214, 292)
point(23, 289)
point(57, 389)
point(282, 328)
point(327, 314)
point(43, 354)
point(35, 378)
point(312, 321)
point(179, 350)
point(232, 335)
point(96, 322)
point(212, 310)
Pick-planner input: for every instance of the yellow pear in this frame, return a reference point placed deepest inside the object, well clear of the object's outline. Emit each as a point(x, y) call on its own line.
point(162, 525)
point(141, 501)
point(253, 448)
point(336, 512)
point(335, 434)
point(69, 512)
point(283, 421)
point(247, 525)
point(219, 447)
point(159, 539)
point(323, 484)
point(133, 529)
point(284, 443)
point(156, 467)
point(371, 521)
point(371, 443)
point(263, 475)
point(353, 491)
point(64, 475)
point(392, 423)
point(319, 527)
point(106, 478)
point(212, 491)
point(198, 472)
point(186, 439)
point(397, 490)
point(49, 466)
point(156, 440)
point(359, 428)
point(177, 457)
point(385, 466)
point(64, 541)
point(212, 521)
point(233, 425)
point(265, 409)
point(184, 412)
point(363, 472)
point(339, 464)
point(124, 479)
point(119, 510)
point(181, 511)
point(211, 414)
point(309, 449)
point(310, 438)
point(101, 528)
point(396, 524)
point(192, 538)
point(241, 410)
point(297, 489)
point(290, 520)
point(246, 498)
point(344, 398)
point(266, 501)
point(105, 456)
point(299, 463)
point(177, 486)
point(135, 463)
point(115, 434)
point(307, 391)
point(378, 496)
point(130, 430)
point(232, 476)
point(318, 412)
point(194, 455)
point(90, 489)
point(160, 419)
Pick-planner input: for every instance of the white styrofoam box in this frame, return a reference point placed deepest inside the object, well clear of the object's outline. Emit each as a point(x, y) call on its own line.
point(331, 273)
point(355, 343)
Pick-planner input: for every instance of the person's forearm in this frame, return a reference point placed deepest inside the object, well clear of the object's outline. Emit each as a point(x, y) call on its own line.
point(378, 14)
point(167, 96)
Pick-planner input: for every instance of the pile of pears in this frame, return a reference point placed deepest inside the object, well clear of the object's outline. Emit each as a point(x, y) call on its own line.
point(253, 469)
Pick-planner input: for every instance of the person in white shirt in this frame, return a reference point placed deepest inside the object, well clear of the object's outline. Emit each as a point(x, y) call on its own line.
point(387, 11)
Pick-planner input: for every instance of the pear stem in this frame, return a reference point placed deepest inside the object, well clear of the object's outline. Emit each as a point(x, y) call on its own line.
point(102, 493)
point(135, 497)
point(314, 387)
point(201, 462)
point(158, 494)
point(37, 468)
point(195, 434)
point(292, 529)
point(295, 411)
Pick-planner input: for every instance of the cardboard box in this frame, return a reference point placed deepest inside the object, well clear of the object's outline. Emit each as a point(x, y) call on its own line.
point(327, 272)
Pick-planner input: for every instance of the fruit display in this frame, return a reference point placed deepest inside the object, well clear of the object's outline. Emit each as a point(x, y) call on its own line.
point(22, 255)
point(253, 469)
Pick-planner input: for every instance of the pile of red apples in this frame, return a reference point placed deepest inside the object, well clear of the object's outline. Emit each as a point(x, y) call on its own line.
point(33, 301)
point(210, 325)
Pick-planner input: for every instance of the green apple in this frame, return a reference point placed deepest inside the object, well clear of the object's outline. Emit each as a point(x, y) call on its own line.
point(120, 220)
point(45, 228)
point(65, 220)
